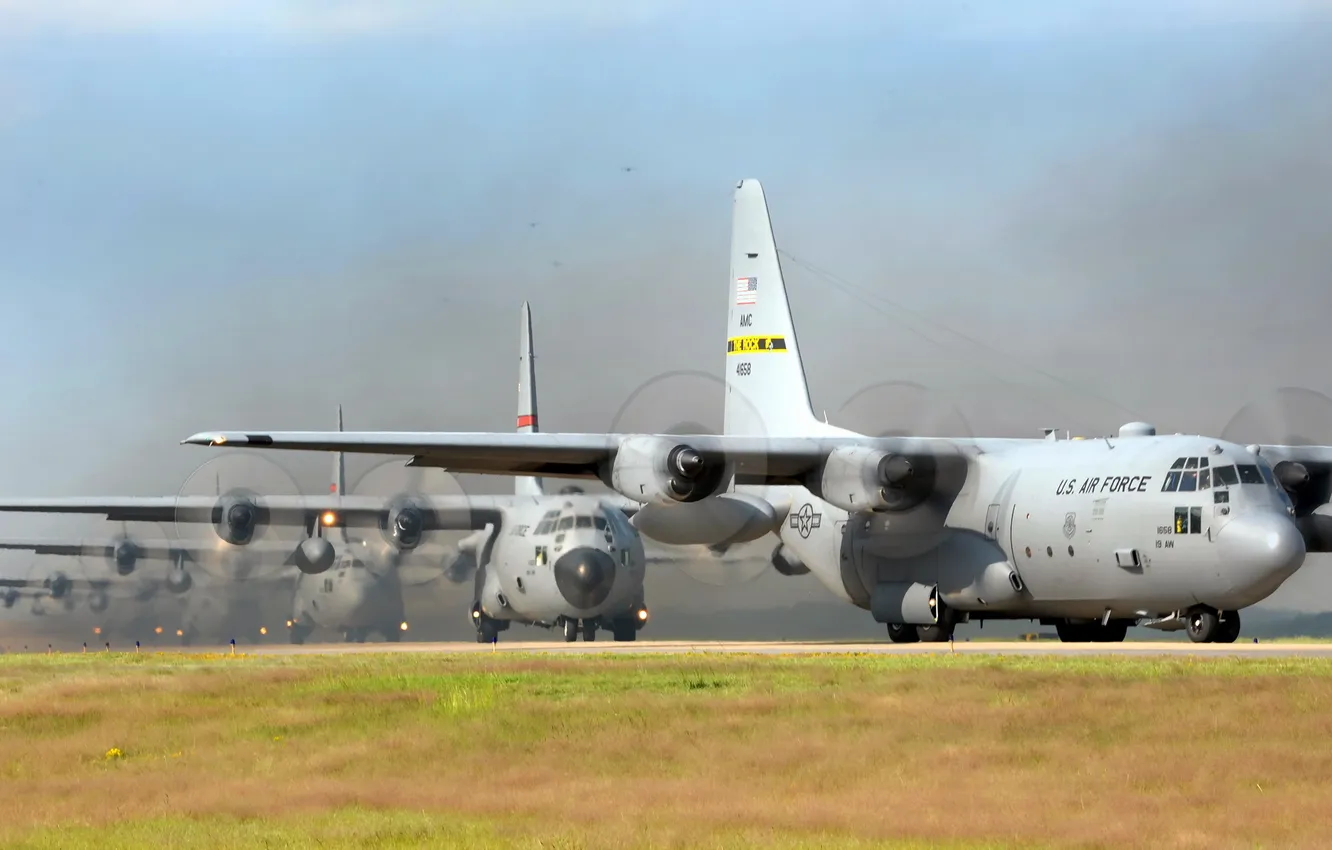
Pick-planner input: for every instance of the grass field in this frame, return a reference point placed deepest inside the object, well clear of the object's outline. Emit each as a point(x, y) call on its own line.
point(124, 750)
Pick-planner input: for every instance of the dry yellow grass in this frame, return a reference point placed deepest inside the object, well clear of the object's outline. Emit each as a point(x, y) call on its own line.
point(502, 750)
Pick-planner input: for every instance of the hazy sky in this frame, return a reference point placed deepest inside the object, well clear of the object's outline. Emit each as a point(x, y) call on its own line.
point(239, 214)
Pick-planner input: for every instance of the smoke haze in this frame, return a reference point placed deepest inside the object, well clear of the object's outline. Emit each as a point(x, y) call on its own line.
point(1067, 219)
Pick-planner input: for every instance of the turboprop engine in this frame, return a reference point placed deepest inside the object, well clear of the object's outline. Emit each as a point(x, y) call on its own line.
point(1309, 494)
point(403, 524)
point(660, 471)
point(123, 556)
point(860, 478)
point(238, 517)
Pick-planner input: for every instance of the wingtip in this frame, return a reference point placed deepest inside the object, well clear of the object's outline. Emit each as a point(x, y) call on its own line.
point(208, 438)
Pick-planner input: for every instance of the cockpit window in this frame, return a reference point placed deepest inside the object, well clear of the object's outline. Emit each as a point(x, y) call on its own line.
point(1224, 476)
point(566, 523)
point(1202, 463)
point(1191, 463)
point(1188, 482)
point(600, 522)
point(1171, 482)
point(546, 526)
point(1204, 477)
point(1249, 474)
point(584, 522)
point(1178, 464)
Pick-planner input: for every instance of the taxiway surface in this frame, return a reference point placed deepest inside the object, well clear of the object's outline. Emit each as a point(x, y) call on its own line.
point(1137, 648)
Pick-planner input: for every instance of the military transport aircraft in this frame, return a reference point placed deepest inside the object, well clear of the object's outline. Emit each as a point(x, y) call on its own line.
point(1089, 535)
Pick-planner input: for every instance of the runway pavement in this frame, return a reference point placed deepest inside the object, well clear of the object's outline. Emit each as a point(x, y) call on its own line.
point(1133, 648)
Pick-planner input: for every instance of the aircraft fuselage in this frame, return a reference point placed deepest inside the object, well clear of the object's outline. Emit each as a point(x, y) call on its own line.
point(1068, 528)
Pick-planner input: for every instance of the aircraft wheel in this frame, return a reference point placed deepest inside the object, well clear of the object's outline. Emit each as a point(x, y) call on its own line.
point(486, 631)
point(589, 631)
point(1113, 632)
point(624, 629)
point(1073, 632)
point(1202, 625)
point(570, 630)
point(938, 633)
point(1229, 628)
point(898, 633)
point(298, 633)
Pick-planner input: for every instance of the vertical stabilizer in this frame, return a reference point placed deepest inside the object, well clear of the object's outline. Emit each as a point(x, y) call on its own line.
point(527, 403)
point(339, 485)
point(766, 393)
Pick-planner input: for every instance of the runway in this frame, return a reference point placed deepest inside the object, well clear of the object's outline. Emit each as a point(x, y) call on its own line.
point(1128, 648)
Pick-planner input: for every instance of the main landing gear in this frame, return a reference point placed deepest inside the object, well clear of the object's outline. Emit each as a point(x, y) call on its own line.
point(622, 629)
point(940, 632)
point(1207, 625)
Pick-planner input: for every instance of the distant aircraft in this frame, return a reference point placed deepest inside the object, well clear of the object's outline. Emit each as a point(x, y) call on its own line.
point(1090, 536)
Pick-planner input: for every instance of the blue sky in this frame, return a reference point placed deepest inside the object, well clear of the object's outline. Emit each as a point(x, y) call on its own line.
point(236, 214)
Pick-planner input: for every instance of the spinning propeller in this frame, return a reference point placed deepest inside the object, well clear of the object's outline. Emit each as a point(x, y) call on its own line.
point(402, 539)
point(239, 488)
point(687, 402)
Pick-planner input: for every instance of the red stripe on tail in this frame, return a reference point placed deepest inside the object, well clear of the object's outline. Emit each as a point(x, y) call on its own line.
point(527, 421)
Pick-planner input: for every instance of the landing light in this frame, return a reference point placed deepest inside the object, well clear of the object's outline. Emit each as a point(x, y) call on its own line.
point(642, 614)
point(157, 630)
point(97, 630)
point(476, 615)
point(330, 518)
point(180, 633)
point(402, 626)
point(263, 630)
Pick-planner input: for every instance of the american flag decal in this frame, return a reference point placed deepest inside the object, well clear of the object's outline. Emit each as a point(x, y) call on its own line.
point(746, 290)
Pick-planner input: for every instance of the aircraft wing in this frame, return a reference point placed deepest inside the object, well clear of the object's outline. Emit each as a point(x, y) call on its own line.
point(771, 460)
point(440, 513)
point(1312, 457)
point(164, 550)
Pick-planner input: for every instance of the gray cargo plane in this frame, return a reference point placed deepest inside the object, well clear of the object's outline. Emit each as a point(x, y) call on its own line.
point(925, 532)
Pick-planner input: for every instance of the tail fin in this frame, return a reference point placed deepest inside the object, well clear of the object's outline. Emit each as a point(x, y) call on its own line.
point(339, 485)
point(766, 393)
point(527, 403)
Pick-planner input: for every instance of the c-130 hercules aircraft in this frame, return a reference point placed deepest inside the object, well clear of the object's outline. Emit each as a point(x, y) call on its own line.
point(1088, 535)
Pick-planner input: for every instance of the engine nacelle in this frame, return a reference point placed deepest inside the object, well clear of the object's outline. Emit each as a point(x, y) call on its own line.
point(238, 519)
point(461, 567)
point(859, 478)
point(403, 525)
point(718, 523)
point(98, 601)
point(315, 555)
point(787, 562)
point(123, 557)
point(661, 471)
point(178, 581)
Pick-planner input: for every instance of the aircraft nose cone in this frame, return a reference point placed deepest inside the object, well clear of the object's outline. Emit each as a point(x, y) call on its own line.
point(584, 577)
point(1266, 546)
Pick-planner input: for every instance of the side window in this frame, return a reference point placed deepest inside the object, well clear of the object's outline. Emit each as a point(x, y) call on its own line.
point(1189, 482)
point(328, 585)
point(1171, 482)
point(1204, 478)
point(1224, 476)
point(600, 522)
point(1181, 520)
point(1195, 520)
point(540, 556)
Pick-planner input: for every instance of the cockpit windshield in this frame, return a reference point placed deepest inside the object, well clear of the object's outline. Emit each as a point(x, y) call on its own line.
point(565, 523)
point(583, 522)
point(1249, 474)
